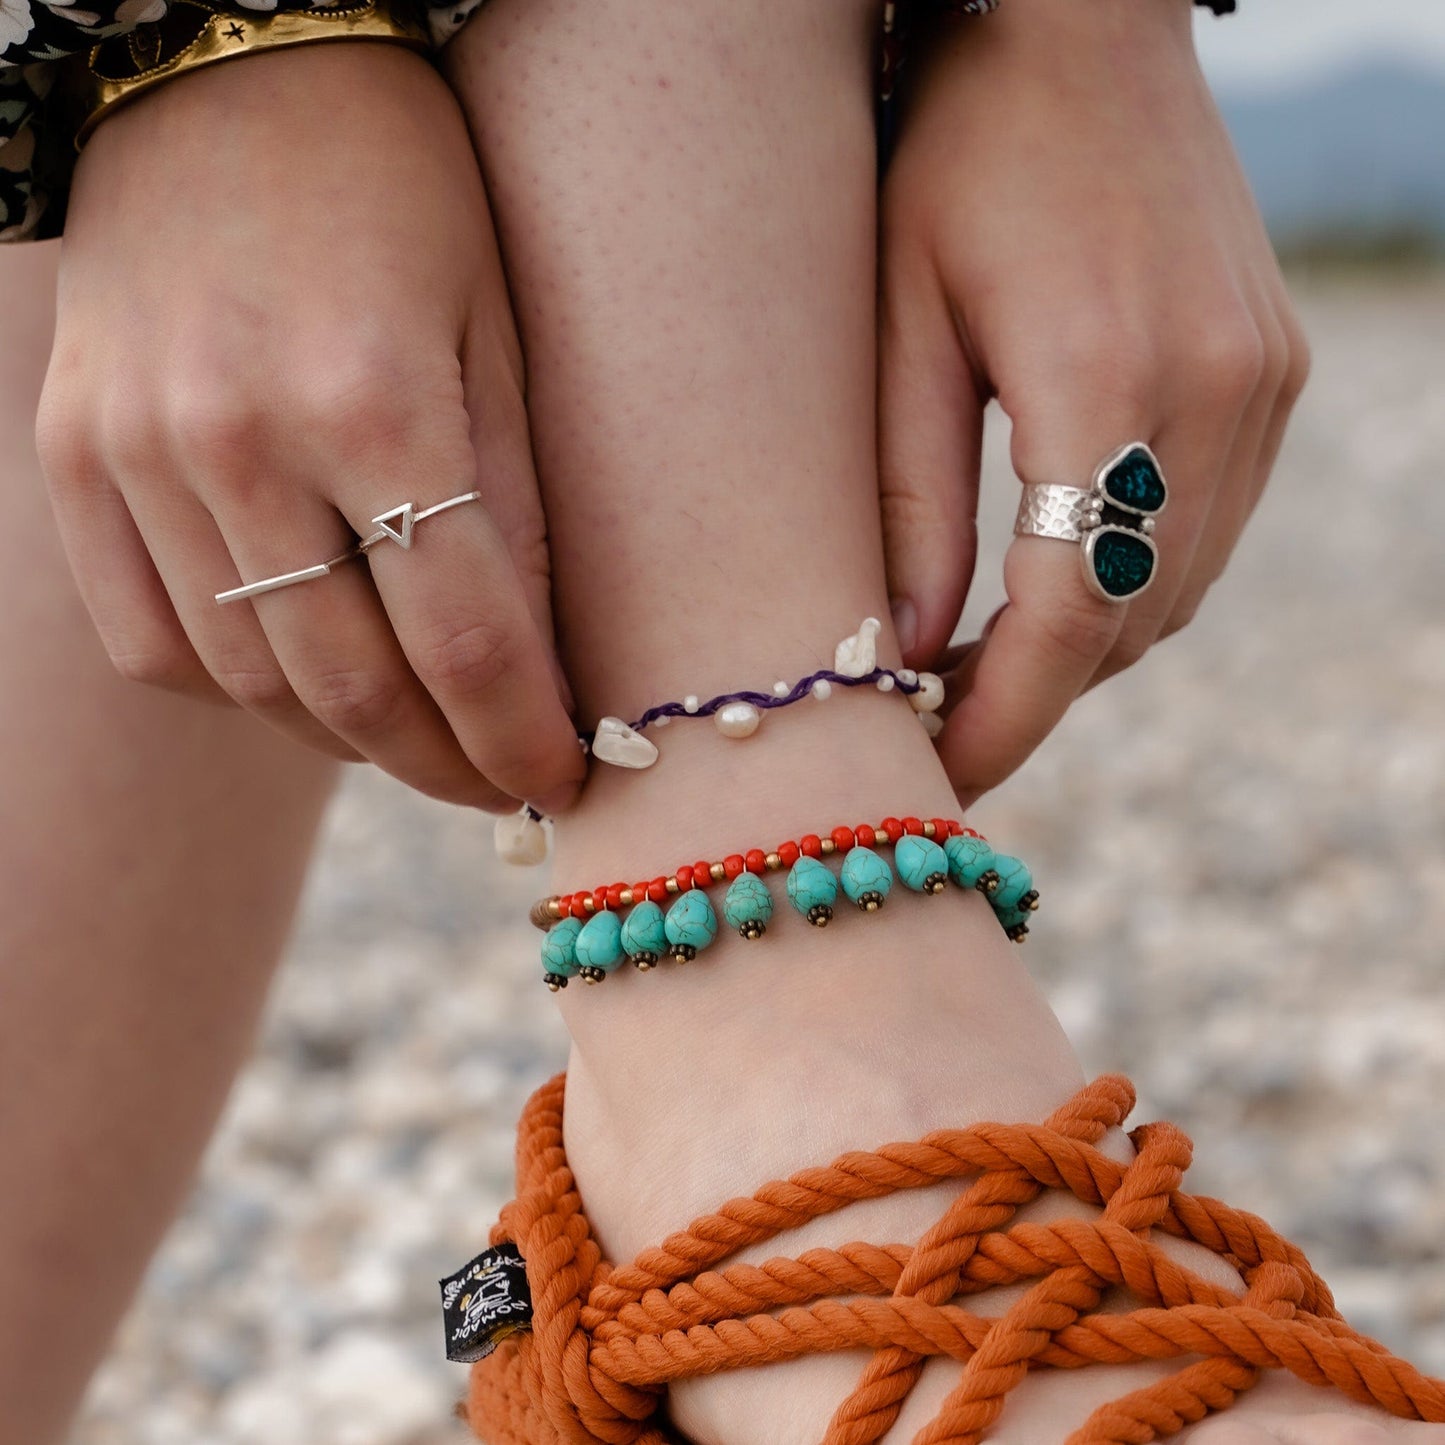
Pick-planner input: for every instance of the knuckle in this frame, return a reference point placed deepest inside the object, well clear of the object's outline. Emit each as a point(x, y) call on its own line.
point(257, 689)
point(373, 399)
point(153, 664)
point(1185, 611)
point(217, 431)
point(1230, 360)
point(1079, 632)
point(63, 440)
point(1298, 364)
point(471, 661)
point(1129, 649)
point(354, 702)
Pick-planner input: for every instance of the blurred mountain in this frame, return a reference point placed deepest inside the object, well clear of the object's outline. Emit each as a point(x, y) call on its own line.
point(1355, 153)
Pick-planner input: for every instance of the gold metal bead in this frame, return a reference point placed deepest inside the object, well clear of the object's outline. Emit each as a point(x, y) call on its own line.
point(718, 872)
point(772, 862)
point(827, 845)
point(672, 885)
point(929, 830)
point(626, 899)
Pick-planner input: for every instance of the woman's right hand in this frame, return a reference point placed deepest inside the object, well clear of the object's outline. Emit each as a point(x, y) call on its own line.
point(282, 314)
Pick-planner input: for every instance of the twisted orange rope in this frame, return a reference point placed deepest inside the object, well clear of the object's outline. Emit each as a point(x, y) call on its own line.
point(607, 1340)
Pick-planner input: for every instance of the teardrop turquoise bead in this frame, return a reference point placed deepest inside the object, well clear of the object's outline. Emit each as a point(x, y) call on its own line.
point(690, 924)
point(747, 905)
point(1015, 922)
point(968, 859)
point(1014, 880)
point(812, 890)
point(921, 863)
point(865, 877)
point(559, 948)
point(643, 934)
point(599, 945)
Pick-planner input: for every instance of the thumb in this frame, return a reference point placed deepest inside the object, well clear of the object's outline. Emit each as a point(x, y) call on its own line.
point(930, 421)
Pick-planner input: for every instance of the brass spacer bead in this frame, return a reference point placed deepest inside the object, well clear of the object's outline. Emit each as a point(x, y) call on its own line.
point(626, 898)
point(542, 915)
point(772, 862)
point(718, 872)
point(929, 830)
point(672, 885)
point(827, 845)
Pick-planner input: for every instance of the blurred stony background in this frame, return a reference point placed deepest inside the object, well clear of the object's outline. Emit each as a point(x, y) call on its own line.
point(1242, 848)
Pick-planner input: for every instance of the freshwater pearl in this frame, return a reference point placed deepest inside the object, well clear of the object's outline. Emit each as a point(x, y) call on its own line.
point(690, 703)
point(781, 689)
point(857, 656)
point(932, 723)
point(519, 839)
point(737, 720)
point(822, 689)
point(929, 697)
point(885, 683)
point(620, 745)
point(907, 674)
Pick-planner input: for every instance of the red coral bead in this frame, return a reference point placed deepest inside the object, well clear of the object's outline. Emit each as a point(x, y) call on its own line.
point(865, 835)
point(684, 878)
point(940, 828)
point(756, 861)
point(811, 844)
point(913, 826)
point(842, 839)
point(733, 865)
point(639, 892)
point(614, 897)
point(789, 852)
point(702, 874)
point(579, 905)
point(657, 890)
point(893, 828)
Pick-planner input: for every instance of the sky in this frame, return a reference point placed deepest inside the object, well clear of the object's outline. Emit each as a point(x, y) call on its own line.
point(1269, 41)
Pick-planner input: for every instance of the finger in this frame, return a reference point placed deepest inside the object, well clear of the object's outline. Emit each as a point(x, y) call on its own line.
point(1205, 413)
point(194, 563)
point(930, 418)
point(113, 570)
point(334, 643)
point(457, 605)
point(1054, 631)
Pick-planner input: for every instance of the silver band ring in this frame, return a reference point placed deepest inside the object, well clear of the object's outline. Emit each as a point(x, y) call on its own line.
point(395, 525)
point(1111, 522)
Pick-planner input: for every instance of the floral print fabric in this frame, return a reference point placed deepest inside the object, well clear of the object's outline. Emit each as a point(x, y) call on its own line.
point(36, 33)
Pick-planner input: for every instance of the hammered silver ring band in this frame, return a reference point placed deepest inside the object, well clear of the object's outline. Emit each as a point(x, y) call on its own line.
point(394, 525)
point(1111, 521)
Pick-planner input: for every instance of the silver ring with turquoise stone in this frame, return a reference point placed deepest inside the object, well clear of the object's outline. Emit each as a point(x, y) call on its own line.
point(1112, 521)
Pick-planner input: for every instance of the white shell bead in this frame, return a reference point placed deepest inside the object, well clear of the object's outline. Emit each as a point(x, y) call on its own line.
point(620, 745)
point(932, 723)
point(857, 656)
point(822, 689)
point(907, 674)
point(781, 689)
point(929, 697)
point(885, 683)
point(520, 839)
point(737, 720)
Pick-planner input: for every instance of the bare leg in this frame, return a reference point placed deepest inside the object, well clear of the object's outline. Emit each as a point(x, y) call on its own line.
point(685, 198)
point(151, 851)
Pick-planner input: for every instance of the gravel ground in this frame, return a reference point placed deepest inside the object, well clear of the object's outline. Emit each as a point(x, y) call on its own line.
point(1243, 855)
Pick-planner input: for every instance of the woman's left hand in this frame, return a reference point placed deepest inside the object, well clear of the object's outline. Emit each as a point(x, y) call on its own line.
point(1066, 228)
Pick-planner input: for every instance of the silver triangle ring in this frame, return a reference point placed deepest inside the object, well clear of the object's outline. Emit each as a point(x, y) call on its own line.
point(395, 525)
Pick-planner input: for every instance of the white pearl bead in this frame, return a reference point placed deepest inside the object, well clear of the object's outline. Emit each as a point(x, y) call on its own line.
point(907, 674)
point(822, 689)
point(781, 689)
point(662, 721)
point(737, 720)
point(520, 839)
point(690, 702)
point(929, 697)
point(885, 683)
point(932, 723)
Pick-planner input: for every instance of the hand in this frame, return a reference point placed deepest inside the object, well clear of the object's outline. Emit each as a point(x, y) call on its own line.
point(281, 314)
point(1065, 227)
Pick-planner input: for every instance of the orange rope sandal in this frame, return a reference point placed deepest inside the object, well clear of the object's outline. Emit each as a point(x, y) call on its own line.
point(605, 1341)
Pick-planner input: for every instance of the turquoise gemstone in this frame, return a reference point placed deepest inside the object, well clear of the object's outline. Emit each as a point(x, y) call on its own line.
point(921, 863)
point(968, 859)
point(865, 877)
point(1134, 482)
point(559, 948)
point(1122, 560)
point(812, 890)
point(643, 934)
point(691, 924)
point(599, 945)
point(747, 905)
point(1015, 922)
point(1014, 880)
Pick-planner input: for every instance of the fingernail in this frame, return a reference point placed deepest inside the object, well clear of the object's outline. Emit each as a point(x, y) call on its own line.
point(905, 622)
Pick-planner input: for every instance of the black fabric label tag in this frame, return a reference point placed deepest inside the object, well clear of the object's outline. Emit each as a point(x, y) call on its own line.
point(484, 1302)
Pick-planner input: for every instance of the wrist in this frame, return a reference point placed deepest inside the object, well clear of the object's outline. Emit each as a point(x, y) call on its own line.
point(1052, 31)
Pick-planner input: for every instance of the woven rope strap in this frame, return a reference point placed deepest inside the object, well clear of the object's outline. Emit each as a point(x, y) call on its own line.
point(607, 1340)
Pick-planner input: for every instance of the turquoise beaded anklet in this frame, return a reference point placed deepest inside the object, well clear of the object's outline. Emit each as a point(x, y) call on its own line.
point(591, 938)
